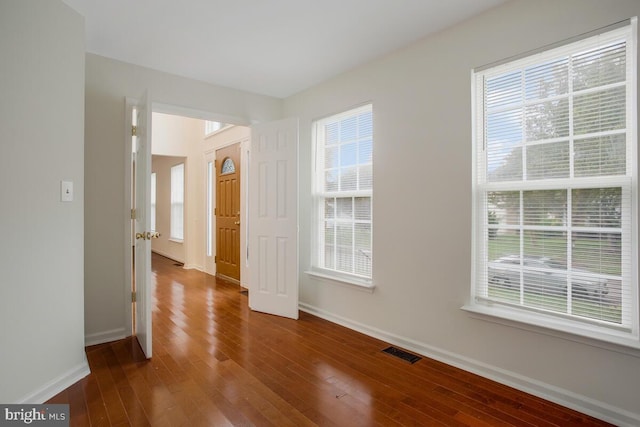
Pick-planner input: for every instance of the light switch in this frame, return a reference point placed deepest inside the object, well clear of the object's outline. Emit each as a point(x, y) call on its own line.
point(66, 191)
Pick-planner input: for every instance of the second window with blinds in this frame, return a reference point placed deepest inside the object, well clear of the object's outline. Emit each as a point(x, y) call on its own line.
point(555, 189)
point(343, 199)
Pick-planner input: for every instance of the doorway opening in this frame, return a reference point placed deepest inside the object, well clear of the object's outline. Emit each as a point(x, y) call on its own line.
point(181, 200)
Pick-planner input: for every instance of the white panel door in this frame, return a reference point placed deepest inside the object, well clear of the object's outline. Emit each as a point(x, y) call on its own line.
point(273, 218)
point(142, 200)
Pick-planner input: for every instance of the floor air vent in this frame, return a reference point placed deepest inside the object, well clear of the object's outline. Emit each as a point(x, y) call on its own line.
point(244, 292)
point(178, 264)
point(411, 358)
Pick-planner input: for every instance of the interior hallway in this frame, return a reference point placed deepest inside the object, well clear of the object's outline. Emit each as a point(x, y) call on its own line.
point(217, 363)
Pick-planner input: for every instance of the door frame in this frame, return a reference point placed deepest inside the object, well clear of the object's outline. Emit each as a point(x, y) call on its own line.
point(156, 107)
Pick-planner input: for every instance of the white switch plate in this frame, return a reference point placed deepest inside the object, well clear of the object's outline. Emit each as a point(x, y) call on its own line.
point(66, 191)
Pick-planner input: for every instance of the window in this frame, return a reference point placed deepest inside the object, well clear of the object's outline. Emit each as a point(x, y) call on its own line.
point(555, 189)
point(153, 202)
point(210, 202)
point(177, 202)
point(213, 127)
point(343, 195)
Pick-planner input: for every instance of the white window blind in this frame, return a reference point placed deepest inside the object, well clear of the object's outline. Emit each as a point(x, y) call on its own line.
point(344, 191)
point(153, 202)
point(177, 202)
point(555, 184)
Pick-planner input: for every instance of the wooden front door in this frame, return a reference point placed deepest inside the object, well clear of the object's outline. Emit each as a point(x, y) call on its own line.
point(228, 212)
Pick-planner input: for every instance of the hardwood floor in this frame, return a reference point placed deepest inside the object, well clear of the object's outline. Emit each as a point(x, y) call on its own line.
point(217, 363)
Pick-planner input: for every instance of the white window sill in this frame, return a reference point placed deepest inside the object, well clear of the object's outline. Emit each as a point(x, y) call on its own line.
point(351, 281)
point(174, 240)
point(593, 335)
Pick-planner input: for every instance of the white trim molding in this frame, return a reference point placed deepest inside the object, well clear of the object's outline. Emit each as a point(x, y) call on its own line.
point(57, 385)
point(545, 391)
point(105, 336)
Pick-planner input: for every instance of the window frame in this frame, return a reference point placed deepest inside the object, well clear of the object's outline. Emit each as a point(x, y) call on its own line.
point(626, 335)
point(319, 195)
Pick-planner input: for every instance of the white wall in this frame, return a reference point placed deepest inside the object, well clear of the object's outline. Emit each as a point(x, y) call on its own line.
point(41, 250)
point(182, 136)
point(421, 99)
point(163, 245)
point(108, 82)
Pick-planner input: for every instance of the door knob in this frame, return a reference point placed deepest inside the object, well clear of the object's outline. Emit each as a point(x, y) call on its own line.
point(141, 236)
point(153, 235)
point(237, 223)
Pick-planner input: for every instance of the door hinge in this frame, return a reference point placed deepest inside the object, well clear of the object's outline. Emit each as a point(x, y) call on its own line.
point(215, 258)
point(133, 214)
point(134, 130)
point(215, 164)
point(133, 296)
point(215, 211)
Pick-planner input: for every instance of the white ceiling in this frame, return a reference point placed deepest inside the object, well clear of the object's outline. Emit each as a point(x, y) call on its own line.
point(271, 47)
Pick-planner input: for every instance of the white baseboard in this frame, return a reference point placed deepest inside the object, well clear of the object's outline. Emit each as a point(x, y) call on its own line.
point(106, 336)
point(549, 392)
point(194, 267)
point(57, 385)
point(166, 255)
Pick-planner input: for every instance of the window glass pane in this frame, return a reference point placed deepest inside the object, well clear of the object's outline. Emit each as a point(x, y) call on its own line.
point(365, 122)
point(348, 154)
point(547, 79)
point(545, 207)
point(348, 129)
point(331, 180)
point(344, 246)
point(503, 207)
point(366, 177)
point(599, 111)
point(599, 156)
point(365, 151)
point(362, 236)
point(332, 131)
point(504, 128)
point(596, 207)
point(329, 256)
point(504, 164)
point(329, 233)
point(330, 208)
point(504, 90)
point(153, 202)
point(345, 207)
point(348, 179)
point(545, 289)
point(504, 243)
point(546, 161)
point(547, 120)
point(210, 203)
point(549, 247)
point(331, 157)
point(228, 166)
point(362, 208)
point(598, 67)
point(597, 252)
point(177, 202)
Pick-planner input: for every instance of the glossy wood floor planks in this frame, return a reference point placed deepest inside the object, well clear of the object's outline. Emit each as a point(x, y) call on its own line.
point(217, 363)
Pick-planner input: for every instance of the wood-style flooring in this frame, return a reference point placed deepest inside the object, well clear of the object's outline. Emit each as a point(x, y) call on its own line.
point(217, 363)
